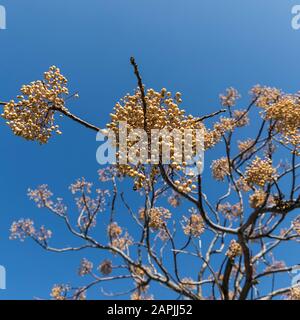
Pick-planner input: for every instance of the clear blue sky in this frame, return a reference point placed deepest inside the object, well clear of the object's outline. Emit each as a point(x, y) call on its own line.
point(196, 47)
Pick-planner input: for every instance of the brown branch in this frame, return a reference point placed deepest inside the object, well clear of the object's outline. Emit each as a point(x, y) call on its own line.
point(248, 268)
point(68, 114)
point(76, 119)
point(197, 203)
point(226, 278)
point(211, 115)
point(142, 90)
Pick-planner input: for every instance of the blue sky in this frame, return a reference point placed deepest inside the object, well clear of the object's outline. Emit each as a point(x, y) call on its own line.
point(196, 47)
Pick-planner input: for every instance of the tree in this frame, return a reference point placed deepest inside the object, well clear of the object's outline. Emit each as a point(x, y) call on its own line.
point(230, 239)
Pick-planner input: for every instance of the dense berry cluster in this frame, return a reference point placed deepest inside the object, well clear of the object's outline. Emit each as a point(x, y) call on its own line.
point(157, 217)
point(105, 267)
point(260, 171)
point(295, 293)
point(117, 239)
point(194, 225)
point(296, 225)
point(162, 112)
point(85, 268)
point(265, 96)
point(283, 110)
point(59, 292)
point(234, 250)
point(25, 228)
point(229, 99)
point(32, 116)
point(257, 199)
point(220, 168)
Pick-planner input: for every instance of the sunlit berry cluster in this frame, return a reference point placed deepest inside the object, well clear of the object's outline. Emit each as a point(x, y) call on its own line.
point(258, 198)
point(81, 186)
point(41, 196)
point(137, 295)
point(234, 250)
point(229, 99)
point(286, 114)
point(295, 293)
point(22, 229)
point(25, 228)
point(117, 239)
point(265, 96)
point(213, 136)
point(259, 172)
point(162, 112)
point(296, 225)
point(141, 284)
point(185, 185)
point(242, 185)
point(174, 200)
point(114, 230)
point(157, 217)
point(109, 173)
point(220, 169)
point(138, 272)
point(194, 225)
point(32, 116)
point(281, 109)
point(105, 267)
point(66, 292)
point(85, 268)
point(59, 292)
point(135, 172)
